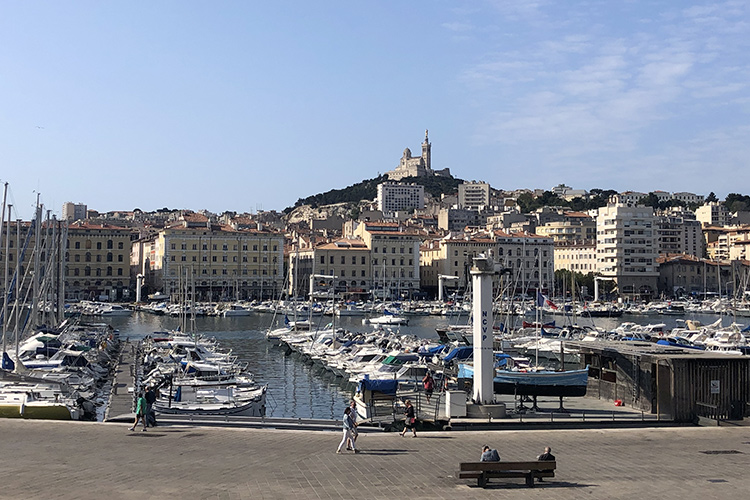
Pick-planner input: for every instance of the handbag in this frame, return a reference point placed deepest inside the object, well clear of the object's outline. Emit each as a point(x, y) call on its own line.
point(412, 420)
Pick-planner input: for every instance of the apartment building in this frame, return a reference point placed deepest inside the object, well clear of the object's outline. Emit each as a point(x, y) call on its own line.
point(74, 211)
point(222, 262)
point(679, 235)
point(681, 275)
point(528, 258)
point(395, 196)
point(574, 227)
point(394, 258)
point(576, 256)
point(712, 214)
point(626, 247)
point(97, 262)
point(346, 259)
point(472, 195)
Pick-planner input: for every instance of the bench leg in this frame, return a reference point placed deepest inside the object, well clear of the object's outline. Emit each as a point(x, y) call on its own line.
point(530, 479)
point(482, 481)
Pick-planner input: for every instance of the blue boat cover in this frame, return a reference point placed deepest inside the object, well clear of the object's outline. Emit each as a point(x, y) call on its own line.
point(463, 352)
point(385, 386)
point(432, 350)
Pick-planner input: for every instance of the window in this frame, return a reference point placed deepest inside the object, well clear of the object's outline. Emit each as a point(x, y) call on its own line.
point(77, 245)
point(354, 259)
point(224, 247)
point(109, 270)
point(173, 246)
point(213, 258)
point(363, 273)
point(331, 259)
point(183, 246)
point(109, 257)
point(195, 246)
point(224, 258)
point(76, 258)
point(172, 258)
point(98, 245)
point(119, 271)
point(363, 260)
point(322, 259)
point(205, 246)
point(87, 257)
point(343, 259)
point(183, 258)
point(119, 258)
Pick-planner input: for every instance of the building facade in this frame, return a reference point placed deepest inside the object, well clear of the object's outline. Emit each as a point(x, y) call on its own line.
point(712, 214)
point(219, 261)
point(74, 211)
point(527, 258)
point(97, 262)
point(394, 258)
point(472, 195)
point(396, 196)
point(626, 248)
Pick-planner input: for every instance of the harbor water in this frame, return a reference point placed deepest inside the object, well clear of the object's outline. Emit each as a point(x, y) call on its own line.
point(300, 390)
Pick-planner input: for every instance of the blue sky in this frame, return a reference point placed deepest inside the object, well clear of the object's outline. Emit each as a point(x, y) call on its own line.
point(252, 105)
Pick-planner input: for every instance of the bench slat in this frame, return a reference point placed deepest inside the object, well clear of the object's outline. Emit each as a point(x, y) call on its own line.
point(535, 465)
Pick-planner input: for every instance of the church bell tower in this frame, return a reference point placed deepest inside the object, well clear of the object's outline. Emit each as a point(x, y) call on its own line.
point(426, 152)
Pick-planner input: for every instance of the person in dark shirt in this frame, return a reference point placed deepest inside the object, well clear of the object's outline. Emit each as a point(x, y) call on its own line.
point(410, 422)
point(489, 455)
point(547, 456)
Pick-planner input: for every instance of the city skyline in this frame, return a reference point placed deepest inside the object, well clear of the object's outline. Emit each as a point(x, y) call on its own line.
point(243, 107)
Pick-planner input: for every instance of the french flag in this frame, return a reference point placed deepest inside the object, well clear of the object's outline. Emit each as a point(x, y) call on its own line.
point(542, 300)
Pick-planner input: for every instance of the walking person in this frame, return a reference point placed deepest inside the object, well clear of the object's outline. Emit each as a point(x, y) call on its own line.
point(150, 400)
point(140, 412)
point(355, 432)
point(410, 421)
point(348, 427)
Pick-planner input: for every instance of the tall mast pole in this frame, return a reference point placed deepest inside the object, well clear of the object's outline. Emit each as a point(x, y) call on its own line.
point(37, 265)
point(5, 277)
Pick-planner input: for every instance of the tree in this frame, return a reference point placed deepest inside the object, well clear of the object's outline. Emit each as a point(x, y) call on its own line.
point(711, 198)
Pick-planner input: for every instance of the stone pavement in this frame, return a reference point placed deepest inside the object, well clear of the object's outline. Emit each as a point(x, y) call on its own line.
point(70, 460)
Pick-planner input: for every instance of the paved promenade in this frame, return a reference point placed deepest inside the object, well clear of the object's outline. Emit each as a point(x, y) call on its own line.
point(65, 460)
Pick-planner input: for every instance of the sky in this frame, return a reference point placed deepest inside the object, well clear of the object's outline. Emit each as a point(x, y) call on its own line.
point(248, 106)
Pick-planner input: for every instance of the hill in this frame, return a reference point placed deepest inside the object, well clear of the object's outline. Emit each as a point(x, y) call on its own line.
point(368, 190)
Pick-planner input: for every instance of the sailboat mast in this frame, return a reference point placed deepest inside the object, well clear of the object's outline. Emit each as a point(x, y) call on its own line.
point(5, 268)
point(18, 281)
point(37, 264)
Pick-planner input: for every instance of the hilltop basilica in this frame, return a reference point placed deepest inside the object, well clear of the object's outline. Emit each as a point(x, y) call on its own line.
point(417, 166)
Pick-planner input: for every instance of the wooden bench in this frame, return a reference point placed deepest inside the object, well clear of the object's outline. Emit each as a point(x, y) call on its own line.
point(483, 471)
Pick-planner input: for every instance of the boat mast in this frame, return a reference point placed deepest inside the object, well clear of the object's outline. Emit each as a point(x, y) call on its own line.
point(4, 314)
point(37, 264)
point(18, 283)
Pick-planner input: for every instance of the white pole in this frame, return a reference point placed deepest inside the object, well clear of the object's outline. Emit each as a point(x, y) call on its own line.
point(484, 367)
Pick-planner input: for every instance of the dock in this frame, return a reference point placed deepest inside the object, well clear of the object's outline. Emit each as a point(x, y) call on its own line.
point(122, 398)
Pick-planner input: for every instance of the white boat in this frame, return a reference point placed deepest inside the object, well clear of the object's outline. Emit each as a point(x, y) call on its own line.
point(235, 310)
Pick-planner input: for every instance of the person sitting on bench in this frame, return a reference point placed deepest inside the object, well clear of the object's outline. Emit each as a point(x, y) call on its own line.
point(547, 456)
point(489, 455)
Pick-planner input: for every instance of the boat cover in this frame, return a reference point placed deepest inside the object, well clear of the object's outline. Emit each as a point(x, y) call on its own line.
point(384, 386)
point(459, 353)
